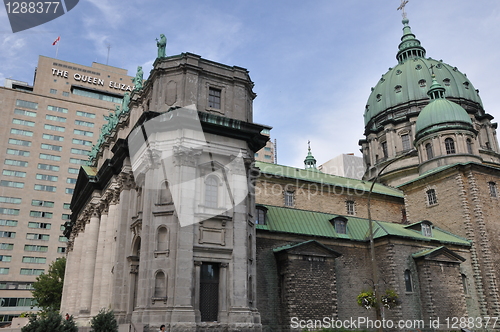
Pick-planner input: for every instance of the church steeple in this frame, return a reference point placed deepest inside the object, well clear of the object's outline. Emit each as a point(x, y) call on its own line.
point(410, 46)
point(310, 161)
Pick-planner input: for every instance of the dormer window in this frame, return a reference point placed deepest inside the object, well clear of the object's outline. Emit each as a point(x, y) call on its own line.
point(446, 82)
point(466, 85)
point(397, 88)
point(422, 83)
point(340, 225)
point(426, 229)
point(261, 215)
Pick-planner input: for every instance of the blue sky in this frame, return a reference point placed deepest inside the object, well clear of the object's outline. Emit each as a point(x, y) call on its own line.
point(313, 61)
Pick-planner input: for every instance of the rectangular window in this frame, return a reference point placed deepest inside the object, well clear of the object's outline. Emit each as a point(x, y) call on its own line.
point(7, 222)
point(65, 94)
point(49, 157)
point(66, 206)
point(42, 187)
point(63, 239)
point(85, 114)
point(21, 132)
point(71, 180)
point(34, 236)
point(493, 189)
point(18, 174)
point(384, 149)
point(46, 177)
point(6, 246)
point(214, 98)
point(35, 272)
point(82, 142)
point(41, 214)
point(405, 140)
point(66, 216)
point(431, 197)
point(26, 104)
point(55, 128)
point(51, 147)
point(80, 151)
point(96, 95)
point(84, 123)
point(4, 270)
point(209, 292)
point(47, 167)
point(53, 91)
point(30, 247)
point(288, 198)
point(12, 200)
point(350, 207)
point(23, 122)
point(61, 250)
point(13, 162)
point(53, 137)
point(37, 202)
point(70, 191)
point(55, 118)
point(83, 132)
point(41, 225)
point(57, 109)
point(7, 234)
point(73, 170)
point(36, 260)
point(77, 161)
point(19, 142)
point(15, 152)
point(5, 258)
point(11, 184)
point(25, 113)
point(12, 212)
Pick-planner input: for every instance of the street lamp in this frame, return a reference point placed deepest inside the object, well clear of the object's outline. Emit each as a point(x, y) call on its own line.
point(370, 225)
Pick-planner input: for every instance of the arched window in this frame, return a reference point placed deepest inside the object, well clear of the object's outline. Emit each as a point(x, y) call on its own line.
point(162, 238)
point(408, 283)
point(426, 229)
point(428, 149)
point(449, 144)
point(405, 141)
point(164, 195)
point(261, 215)
point(211, 192)
point(469, 145)
point(340, 225)
point(160, 285)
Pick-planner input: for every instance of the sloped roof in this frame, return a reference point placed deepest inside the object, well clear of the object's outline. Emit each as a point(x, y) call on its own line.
point(294, 221)
point(326, 179)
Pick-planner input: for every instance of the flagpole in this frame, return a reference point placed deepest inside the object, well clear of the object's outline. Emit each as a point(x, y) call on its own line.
point(57, 49)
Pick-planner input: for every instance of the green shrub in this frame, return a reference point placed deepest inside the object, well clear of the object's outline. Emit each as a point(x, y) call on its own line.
point(104, 321)
point(50, 321)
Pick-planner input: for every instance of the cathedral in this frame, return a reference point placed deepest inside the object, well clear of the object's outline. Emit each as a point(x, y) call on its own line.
point(174, 222)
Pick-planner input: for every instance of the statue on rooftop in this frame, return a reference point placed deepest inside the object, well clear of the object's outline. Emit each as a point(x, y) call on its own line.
point(162, 44)
point(125, 101)
point(137, 80)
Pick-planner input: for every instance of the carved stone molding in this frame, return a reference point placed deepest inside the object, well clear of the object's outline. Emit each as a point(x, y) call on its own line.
point(186, 156)
point(197, 263)
point(136, 227)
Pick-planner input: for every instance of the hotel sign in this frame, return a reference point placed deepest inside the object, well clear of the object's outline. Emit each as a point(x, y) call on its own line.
point(92, 80)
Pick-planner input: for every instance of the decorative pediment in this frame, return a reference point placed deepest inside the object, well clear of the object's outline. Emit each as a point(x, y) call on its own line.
point(439, 254)
point(307, 248)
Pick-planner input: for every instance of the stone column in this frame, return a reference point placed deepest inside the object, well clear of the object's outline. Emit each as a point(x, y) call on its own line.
point(197, 274)
point(107, 264)
point(92, 230)
point(223, 292)
point(98, 264)
point(76, 275)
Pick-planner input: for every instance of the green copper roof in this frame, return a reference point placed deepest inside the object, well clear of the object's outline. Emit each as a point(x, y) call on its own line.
point(411, 78)
point(310, 161)
point(287, 220)
point(325, 179)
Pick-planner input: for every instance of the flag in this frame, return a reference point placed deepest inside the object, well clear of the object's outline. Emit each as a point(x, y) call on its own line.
point(57, 40)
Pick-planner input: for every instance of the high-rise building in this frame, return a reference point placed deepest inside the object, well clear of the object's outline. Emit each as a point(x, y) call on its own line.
point(48, 130)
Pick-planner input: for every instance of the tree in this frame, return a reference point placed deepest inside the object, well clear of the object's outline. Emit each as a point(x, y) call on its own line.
point(104, 321)
point(48, 287)
point(51, 321)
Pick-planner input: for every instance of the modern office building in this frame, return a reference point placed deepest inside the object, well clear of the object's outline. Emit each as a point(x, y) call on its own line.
point(47, 131)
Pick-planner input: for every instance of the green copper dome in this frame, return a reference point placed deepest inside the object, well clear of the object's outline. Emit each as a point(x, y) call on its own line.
point(441, 114)
point(411, 78)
